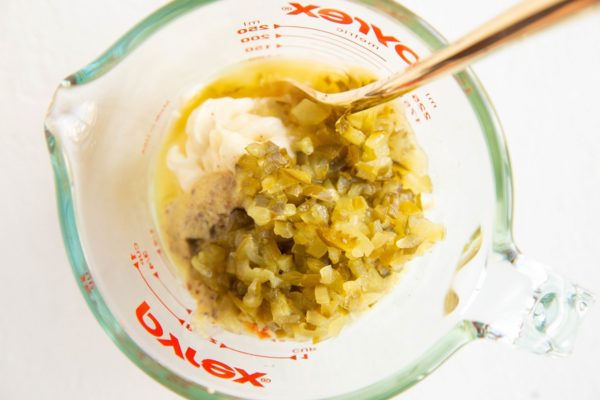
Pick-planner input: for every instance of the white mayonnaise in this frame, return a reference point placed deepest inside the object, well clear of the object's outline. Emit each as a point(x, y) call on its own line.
point(218, 132)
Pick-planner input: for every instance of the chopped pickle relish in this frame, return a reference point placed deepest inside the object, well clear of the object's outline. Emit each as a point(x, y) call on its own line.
point(313, 234)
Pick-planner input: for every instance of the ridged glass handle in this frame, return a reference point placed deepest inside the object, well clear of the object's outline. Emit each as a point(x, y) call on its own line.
point(525, 303)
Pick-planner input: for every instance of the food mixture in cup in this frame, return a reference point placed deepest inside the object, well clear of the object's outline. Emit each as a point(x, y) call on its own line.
point(288, 218)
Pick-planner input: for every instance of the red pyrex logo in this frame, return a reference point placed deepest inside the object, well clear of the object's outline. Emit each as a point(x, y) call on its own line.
point(213, 367)
point(407, 54)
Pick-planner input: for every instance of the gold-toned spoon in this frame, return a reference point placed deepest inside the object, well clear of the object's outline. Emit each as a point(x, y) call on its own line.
point(526, 17)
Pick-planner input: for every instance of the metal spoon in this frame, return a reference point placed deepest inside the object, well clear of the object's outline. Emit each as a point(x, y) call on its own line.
point(526, 17)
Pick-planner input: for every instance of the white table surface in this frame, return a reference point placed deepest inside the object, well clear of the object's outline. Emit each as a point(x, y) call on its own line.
point(545, 91)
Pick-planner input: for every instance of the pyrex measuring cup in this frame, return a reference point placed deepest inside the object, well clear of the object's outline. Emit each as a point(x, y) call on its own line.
point(104, 128)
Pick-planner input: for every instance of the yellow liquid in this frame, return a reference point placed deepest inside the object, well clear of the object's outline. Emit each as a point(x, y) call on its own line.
point(265, 79)
point(255, 78)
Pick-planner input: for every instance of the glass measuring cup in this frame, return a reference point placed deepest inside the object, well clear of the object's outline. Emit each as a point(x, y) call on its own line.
point(106, 123)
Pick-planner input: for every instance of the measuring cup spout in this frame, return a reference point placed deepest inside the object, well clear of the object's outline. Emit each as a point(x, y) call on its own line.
point(71, 116)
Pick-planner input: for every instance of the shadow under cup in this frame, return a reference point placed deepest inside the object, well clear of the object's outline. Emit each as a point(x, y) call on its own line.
point(105, 127)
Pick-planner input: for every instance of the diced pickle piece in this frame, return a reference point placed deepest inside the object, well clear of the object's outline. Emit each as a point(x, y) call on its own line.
point(325, 231)
point(373, 170)
point(349, 132)
point(316, 318)
point(380, 239)
point(334, 254)
point(297, 174)
point(327, 276)
point(280, 309)
point(309, 113)
point(317, 248)
point(260, 215)
point(283, 229)
point(321, 295)
point(417, 183)
point(304, 145)
point(376, 146)
point(253, 297)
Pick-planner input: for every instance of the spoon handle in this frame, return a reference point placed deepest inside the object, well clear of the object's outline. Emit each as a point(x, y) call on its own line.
point(526, 17)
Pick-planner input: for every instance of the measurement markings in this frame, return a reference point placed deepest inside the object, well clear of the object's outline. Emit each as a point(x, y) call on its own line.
point(136, 265)
point(331, 33)
point(325, 50)
point(294, 357)
point(155, 274)
point(87, 282)
point(338, 45)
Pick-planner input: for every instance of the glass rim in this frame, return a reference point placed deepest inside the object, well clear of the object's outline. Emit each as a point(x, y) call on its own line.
point(463, 333)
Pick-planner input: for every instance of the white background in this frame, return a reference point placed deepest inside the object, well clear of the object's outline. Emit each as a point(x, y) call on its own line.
point(545, 91)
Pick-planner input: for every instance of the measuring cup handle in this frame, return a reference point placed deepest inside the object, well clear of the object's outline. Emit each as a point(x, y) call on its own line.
point(524, 303)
